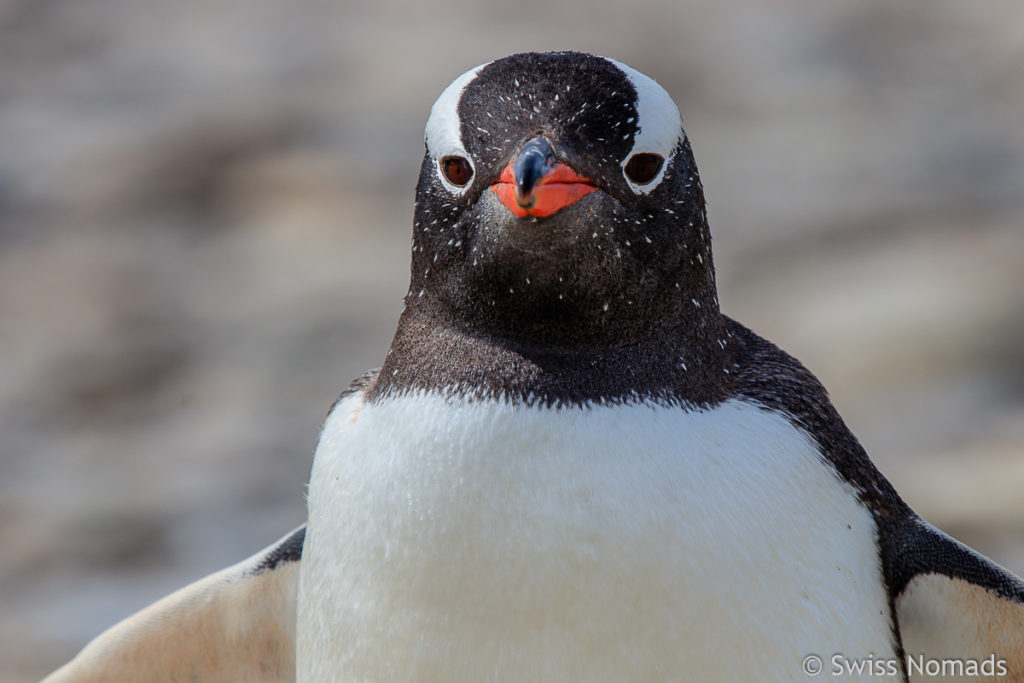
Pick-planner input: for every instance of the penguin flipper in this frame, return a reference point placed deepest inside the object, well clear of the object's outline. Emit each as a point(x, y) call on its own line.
point(235, 625)
point(956, 604)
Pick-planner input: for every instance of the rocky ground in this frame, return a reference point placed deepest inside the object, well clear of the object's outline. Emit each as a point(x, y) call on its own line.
point(204, 220)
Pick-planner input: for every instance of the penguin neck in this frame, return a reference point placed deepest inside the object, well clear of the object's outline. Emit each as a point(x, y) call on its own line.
point(685, 363)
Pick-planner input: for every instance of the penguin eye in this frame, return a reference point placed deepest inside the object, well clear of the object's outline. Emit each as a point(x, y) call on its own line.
point(457, 170)
point(643, 167)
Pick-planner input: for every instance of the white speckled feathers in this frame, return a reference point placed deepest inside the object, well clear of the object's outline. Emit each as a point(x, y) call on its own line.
point(659, 125)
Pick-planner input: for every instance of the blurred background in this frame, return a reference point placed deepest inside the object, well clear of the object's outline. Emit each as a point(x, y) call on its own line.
point(205, 209)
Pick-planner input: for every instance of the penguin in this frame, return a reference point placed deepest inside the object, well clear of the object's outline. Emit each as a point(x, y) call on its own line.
point(570, 464)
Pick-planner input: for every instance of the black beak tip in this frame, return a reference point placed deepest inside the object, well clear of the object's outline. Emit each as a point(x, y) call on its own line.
point(535, 159)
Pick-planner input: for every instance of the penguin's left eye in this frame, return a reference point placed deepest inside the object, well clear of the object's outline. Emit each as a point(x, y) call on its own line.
point(457, 170)
point(643, 167)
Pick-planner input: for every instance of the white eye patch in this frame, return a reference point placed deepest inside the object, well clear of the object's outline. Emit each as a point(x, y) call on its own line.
point(444, 132)
point(659, 125)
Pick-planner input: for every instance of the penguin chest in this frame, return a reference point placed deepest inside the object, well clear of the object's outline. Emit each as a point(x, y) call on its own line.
point(452, 540)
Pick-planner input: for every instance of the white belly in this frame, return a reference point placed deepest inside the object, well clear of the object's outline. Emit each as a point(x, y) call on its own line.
point(459, 541)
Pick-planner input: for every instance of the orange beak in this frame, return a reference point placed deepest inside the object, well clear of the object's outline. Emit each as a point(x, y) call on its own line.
point(536, 184)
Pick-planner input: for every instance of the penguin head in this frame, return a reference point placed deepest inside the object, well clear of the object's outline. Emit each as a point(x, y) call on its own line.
point(559, 205)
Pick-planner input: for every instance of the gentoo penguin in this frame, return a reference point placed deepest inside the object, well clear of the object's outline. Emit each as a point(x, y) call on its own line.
point(570, 465)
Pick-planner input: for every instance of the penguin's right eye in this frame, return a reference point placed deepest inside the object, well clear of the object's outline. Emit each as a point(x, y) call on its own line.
point(457, 170)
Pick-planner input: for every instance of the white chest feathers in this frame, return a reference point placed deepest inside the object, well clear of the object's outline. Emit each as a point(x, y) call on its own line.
point(473, 541)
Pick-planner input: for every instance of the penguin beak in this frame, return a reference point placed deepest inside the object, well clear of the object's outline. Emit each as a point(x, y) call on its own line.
point(537, 184)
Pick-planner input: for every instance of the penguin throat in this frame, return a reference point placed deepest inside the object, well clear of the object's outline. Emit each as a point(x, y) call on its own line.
point(681, 364)
point(537, 301)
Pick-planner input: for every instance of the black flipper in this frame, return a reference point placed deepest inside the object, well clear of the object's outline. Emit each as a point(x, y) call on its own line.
point(955, 607)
